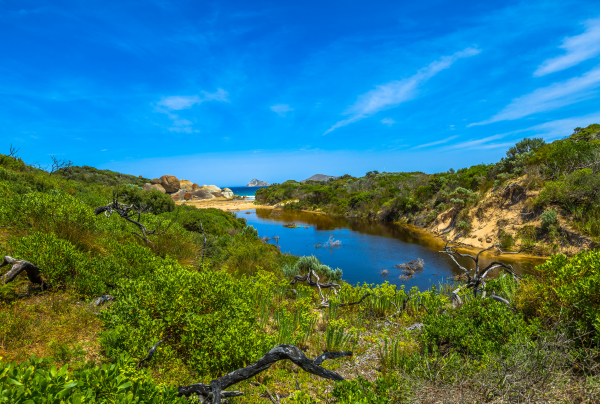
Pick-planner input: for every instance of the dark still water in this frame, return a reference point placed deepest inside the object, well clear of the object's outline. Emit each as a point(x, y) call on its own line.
point(367, 248)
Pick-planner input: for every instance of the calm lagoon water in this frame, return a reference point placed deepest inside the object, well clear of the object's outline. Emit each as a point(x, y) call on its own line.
point(366, 248)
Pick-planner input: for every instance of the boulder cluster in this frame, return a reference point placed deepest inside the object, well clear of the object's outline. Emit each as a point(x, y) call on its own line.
point(184, 190)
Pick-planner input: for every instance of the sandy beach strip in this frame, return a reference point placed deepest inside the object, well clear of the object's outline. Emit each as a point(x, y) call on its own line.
point(223, 204)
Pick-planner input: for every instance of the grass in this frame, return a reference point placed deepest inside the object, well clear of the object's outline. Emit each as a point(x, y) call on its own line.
point(50, 325)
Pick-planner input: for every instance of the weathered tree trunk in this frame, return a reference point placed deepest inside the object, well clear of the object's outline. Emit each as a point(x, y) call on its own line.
point(280, 352)
point(18, 266)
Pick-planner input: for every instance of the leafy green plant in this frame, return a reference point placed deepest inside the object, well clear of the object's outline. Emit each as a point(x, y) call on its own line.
point(32, 382)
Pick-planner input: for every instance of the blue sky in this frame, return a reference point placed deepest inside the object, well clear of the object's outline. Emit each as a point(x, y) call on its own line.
point(223, 92)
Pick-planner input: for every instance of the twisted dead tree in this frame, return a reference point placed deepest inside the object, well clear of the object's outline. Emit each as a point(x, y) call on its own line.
point(308, 279)
point(476, 276)
point(18, 266)
point(215, 391)
point(12, 153)
point(129, 212)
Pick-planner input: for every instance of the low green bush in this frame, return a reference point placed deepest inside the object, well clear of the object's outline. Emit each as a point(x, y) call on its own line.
point(480, 327)
point(33, 381)
point(210, 315)
point(566, 289)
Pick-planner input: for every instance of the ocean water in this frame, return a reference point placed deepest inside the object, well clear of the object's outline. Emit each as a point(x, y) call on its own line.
point(245, 191)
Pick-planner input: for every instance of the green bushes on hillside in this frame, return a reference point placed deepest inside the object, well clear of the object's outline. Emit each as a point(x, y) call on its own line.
point(209, 314)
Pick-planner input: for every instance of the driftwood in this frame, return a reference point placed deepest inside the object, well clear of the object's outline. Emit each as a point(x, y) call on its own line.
point(215, 392)
point(128, 213)
point(308, 279)
point(357, 302)
point(151, 352)
point(104, 298)
point(476, 276)
point(18, 266)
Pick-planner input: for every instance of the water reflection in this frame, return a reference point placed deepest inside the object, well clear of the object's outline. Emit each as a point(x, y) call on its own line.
point(367, 248)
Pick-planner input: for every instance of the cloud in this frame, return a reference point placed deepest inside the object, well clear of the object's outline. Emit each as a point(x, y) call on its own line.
point(281, 109)
point(179, 102)
point(391, 94)
point(561, 128)
point(548, 98)
point(436, 143)
point(579, 48)
point(388, 121)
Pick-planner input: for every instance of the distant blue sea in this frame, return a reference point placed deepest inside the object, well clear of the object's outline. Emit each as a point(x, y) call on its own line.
point(249, 192)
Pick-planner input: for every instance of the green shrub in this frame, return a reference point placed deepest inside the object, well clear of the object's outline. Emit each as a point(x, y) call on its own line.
point(211, 316)
point(567, 289)
point(153, 201)
point(549, 218)
point(32, 382)
point(479, 327)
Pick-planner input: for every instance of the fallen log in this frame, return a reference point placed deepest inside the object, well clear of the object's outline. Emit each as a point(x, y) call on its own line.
point(216, 388)
point(18, 266)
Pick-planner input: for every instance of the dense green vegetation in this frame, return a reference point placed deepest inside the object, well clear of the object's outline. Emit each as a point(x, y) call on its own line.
point(566, 172)
point(223, 295)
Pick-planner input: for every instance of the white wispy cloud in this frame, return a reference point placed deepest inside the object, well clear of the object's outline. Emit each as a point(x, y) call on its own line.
point(548, 98)
point(579, 48)
point(180, 102)
point(561, 127)
point(388, 121)
point(281, 109)
point(436, 143)
point(391, 94)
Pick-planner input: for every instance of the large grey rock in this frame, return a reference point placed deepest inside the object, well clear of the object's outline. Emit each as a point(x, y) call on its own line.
point(210, 188)
point(170, 183)
point(158, 187)
point(186, 185)
point(201, 194)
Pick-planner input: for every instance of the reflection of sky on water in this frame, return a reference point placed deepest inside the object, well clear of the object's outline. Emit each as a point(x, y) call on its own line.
point(367, 247)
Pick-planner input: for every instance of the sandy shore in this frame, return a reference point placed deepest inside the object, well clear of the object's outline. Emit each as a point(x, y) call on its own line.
point(224, 204)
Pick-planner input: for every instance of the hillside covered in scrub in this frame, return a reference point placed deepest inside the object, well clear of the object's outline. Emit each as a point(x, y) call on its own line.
point(542, 194)
point(128, 298)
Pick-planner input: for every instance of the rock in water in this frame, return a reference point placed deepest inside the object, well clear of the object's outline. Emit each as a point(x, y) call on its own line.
point(227, 193)
point(257, 183)
point(170, 183)
point(158, 187)
point(186, 185)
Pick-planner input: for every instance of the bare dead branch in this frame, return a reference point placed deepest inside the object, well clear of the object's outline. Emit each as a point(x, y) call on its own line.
point(308, 279)
point(12, 153)
point(476, 276)
point(104, 298)
point(18, 266)
point(59, 164)
point(280, 352)
point(357, 302)
point(128, 213)
point(151, 352)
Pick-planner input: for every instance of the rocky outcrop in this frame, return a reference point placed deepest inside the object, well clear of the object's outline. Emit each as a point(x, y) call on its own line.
point(170, 183)
point(155, 181)
point(319, 177)
point(150, 186)
point(257, 183)
point(195, 187)
point(186, 185)
point(210, 188)
point(227, 193)
point(201, 194)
